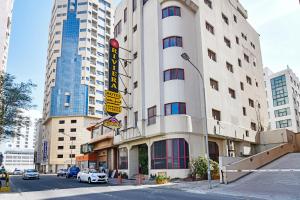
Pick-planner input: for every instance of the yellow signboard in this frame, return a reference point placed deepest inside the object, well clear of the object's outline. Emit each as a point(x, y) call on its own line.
point(111, 94)
point(111, 108)
point(111, 100)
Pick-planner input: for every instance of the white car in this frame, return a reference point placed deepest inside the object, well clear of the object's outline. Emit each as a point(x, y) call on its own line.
point(17, 172)
point(92, 176)
point(31, 174)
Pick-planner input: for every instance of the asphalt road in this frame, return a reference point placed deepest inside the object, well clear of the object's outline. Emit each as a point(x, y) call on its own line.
point(52, 187)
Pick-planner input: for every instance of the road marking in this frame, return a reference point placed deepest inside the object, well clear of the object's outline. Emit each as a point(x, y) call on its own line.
point(261, 170)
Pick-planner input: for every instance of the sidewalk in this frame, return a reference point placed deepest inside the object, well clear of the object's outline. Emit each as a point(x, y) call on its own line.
point(200, 187)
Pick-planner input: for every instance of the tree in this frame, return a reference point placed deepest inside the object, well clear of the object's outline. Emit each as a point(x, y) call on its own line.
point(14, 99)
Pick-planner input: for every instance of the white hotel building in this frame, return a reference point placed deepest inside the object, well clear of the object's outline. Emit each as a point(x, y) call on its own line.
point(163, 127)
point(75, 77)
point(6, 7)
point(283, 93)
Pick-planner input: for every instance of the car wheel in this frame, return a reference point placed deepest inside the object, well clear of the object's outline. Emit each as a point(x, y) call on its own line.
point(89, 181)
point(79, 179)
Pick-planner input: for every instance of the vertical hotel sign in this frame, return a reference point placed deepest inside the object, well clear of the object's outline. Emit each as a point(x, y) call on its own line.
point(112, 95)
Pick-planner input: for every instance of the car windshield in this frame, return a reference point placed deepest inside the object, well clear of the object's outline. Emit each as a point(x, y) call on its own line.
point(31, 170)
point(93, 171)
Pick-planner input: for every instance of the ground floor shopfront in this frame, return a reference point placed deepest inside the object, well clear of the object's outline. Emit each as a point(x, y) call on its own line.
point(171, 154)
point(102, 156)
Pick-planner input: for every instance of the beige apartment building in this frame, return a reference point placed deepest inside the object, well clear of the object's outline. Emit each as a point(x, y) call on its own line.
point(163, 115)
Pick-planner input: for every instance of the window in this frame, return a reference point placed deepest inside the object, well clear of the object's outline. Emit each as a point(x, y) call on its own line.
point(249, 80)
point(210, 28)
point(237, 40)
point(214, 84)
point(152, 115)
point(72, 138)
point(279, 91)
point(74, 121)
point(123, 158)
point(284, 123)
point(170, 154)
point(61, 139)
point(283, 112)
point(61, 121)
point(134, 28)
point(247, 133)
point(212, 55)
point(73, 129)
point(60, 147)
point(232, 93)
point(134, 4)
point(174, 41)
point(242, 86)
point(240, 62)
point(216, 115)
point(125, 122)
point(135, 84)
point(174, 74)
point(227, 42)
point(125, 15)
point(253, 126)
point(118, 29)
point(246, 57)
point(244, 111)
point(251, 103)
point(208, 3)
point(72, 147)
point(125, 38)
point(171, 11)
point(244, 36)
point(60, 156)
point(235, 18)
point(71, 155)
point(61, 130)
point(175, 108)
point(225, 18)
point(229, 67)
point(136, 118)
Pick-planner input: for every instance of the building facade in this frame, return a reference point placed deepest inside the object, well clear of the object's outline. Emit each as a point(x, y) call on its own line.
point(26, 138)
point(18, 151)
point(6, 7)
point(283, 94)
point(38, 155)
point(164, 111)
point(75, 76)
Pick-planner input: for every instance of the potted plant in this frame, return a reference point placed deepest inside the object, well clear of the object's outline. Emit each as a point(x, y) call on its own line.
point(161, 179)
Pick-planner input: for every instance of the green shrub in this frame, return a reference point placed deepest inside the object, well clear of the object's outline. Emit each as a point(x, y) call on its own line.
point(199, 167)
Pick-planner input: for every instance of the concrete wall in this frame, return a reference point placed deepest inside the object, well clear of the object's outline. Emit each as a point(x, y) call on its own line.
point(255, 162)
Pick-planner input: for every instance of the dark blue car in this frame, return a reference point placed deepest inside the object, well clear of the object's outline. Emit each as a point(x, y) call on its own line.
point(72, 172)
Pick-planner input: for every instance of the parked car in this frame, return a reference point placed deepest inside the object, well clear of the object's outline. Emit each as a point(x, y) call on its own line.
point(31, 174)
point(72, 172)
point(62, 172)
point(17, 172)
point(92, 176)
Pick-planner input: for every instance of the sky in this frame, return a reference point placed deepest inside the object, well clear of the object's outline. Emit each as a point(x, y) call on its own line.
point(277, 22)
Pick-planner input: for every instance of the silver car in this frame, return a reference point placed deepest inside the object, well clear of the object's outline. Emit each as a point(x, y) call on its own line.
point(31, 174)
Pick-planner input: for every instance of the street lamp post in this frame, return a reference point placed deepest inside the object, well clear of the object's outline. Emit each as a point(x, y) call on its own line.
point(186, 57)
point(70, 148)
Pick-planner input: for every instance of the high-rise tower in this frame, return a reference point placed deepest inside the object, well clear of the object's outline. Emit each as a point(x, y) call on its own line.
point(75, 76)
point(6, 7)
